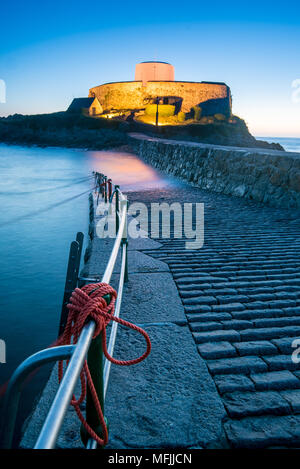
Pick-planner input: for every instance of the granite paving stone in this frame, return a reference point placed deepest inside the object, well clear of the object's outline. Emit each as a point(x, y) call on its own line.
point(245, 365)
point(212, 350)
point(281, 362)
point(203, 317)
point(244, 404)
point(205, 326)
point(217, 335)
point(229, 307)
point(284, 345)
point(231, 383)
point(275, 380)
point(236, 324)
point(259, 347)
point(264, 431)
point(293, 398)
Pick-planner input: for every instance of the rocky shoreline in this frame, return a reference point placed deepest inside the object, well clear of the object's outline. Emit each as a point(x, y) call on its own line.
point(78, 131)
point(220, 133)
point(22, 130)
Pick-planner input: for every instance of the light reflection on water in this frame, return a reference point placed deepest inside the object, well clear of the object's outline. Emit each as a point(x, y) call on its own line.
point(34, 249)
point(128, 171)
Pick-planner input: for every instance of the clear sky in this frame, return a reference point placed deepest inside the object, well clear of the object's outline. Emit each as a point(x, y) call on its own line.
point(53, 51)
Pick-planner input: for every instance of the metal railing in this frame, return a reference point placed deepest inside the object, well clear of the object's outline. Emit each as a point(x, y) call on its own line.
point(85, 348)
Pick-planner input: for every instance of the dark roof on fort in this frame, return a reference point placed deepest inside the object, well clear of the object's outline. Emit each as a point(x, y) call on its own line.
point(80, 103)
point(214, 82)
point(154, 62)
point(166, 81)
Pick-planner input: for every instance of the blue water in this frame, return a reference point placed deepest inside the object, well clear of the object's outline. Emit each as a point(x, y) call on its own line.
point(40, 215)
point(289, 144)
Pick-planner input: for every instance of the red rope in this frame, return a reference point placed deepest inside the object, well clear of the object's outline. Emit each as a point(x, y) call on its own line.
point(88, 303)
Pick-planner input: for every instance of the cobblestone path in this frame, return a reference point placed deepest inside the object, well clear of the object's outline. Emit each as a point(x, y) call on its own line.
point(241, 294)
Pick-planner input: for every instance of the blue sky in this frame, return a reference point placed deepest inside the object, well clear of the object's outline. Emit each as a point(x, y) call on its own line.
point(52, 51)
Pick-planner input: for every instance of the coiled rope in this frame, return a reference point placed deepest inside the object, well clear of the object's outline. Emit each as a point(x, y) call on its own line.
point(88, 303)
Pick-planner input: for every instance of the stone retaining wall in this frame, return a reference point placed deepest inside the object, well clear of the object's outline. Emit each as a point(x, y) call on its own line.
point(268, 176)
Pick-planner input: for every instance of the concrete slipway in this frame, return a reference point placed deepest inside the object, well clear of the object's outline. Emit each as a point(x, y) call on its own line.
point(222, 353)
point(167, 401)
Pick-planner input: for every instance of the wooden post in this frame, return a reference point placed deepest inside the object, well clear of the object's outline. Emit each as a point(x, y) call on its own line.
point(71, 282)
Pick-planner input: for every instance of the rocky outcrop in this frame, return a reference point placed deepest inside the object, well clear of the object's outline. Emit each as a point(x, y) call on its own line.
point(62, 129)
point(268, 176)
point(235, 134)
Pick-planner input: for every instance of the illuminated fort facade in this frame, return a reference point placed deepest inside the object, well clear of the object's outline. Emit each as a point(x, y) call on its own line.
point(155, 81)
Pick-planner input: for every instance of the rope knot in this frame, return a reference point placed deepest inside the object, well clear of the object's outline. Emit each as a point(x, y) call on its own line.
point(87, 303)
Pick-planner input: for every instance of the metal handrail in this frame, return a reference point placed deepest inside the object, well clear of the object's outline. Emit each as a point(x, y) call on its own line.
point(78, 353)
point(92, 444)
point(54, 420)
point(13, 393)
point(113, 333)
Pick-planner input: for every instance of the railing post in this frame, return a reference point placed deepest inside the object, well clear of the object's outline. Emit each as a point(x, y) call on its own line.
point(79, 239)
point(125, 241)
point(105, 189)
point(109, 188)
point(95, 360)
point(101, 185)
point(117, 208)
point(71, 282)
point(98, 187)
point(126, 262)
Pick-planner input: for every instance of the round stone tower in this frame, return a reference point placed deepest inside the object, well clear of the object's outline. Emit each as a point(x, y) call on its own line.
point(154, 71)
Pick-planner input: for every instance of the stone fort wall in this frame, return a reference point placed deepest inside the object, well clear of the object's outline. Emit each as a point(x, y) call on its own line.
point(268, 176)
point(133, 95)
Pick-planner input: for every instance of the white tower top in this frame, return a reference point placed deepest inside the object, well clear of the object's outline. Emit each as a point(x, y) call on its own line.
point(154, 71)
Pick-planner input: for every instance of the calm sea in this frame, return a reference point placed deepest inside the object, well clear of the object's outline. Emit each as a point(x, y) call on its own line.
point(44, 202)
point(289, 144)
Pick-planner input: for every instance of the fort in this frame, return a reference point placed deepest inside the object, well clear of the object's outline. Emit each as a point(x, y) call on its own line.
point(154, 82)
